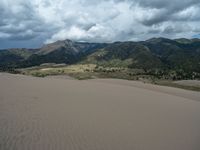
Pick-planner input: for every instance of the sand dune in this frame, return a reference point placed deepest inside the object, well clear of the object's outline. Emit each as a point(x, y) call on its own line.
point(61, 114)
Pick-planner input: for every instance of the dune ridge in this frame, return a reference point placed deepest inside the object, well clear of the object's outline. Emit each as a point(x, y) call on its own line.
point(100, 114)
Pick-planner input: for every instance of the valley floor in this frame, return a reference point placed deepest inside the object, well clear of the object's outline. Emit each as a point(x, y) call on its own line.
point(100, 114)
point(92, 71)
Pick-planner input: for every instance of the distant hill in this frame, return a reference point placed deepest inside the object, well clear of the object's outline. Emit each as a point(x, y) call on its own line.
point(66, 51)
point(11, 58)
point(156, 55)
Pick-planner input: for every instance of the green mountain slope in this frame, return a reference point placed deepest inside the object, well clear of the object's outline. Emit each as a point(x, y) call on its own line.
point(11, 57)
point(67, 52)
point(127, 54)
point(156, 56)
point(178, 58)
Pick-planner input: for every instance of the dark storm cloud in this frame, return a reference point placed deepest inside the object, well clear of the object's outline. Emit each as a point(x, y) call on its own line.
point(171, 10)
point(175, 5)
point(42, 21)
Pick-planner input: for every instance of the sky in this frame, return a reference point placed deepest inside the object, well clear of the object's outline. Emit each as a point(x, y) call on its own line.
point(32, 23)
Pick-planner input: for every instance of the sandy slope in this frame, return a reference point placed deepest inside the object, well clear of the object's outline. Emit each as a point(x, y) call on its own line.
point(60, 114)
point(189, 82)
point(163, 89)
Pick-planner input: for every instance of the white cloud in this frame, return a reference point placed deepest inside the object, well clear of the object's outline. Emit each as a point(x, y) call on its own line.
point(4, 35)
point(97, 21)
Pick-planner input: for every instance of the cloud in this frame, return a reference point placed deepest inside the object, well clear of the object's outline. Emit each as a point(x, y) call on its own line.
point(45, 21)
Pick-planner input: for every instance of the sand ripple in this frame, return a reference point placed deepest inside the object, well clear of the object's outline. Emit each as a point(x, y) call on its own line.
point(57, 114)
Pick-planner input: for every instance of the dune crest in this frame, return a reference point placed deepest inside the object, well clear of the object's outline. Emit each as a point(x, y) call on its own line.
point(60, 114)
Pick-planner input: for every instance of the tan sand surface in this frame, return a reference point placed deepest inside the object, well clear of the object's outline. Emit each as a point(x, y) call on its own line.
point(101, 114)
point(193, 95)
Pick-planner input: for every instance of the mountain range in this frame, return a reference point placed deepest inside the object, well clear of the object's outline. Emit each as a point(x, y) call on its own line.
point(154, 55)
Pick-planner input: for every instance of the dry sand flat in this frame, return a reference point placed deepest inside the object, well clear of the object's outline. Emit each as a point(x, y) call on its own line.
point(60, 114)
